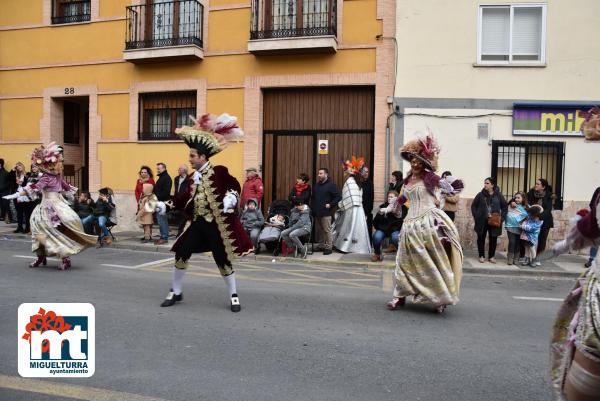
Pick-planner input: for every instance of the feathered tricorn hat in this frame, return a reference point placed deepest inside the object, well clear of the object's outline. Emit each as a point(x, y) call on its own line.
point(424, 148)
point(591, 126)
point(210, 134)
point(354, 165)
point(46, 157)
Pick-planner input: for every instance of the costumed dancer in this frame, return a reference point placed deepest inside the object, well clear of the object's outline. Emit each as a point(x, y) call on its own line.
point(56, 229)
point(211, 203)
point(575, 350)
point(350, 231)
point(429, 258)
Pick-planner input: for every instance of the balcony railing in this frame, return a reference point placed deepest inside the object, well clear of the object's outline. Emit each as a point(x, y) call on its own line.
point(274, 19)
point(162, 24)
point(66, 12)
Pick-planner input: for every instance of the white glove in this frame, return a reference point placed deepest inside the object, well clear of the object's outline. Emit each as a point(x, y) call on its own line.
point(229, 201)
point(23, 199)
point(12, 196)
point(161, 208)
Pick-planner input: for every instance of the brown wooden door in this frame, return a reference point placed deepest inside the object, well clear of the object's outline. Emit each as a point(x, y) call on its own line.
point(294, 121)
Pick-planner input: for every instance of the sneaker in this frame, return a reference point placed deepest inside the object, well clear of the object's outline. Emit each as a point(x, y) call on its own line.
point(588, 263)
point(536, 263)
point(304, 252)
point(327, 252)
point(492, 260)
point(375, 258)
point(481, 259)
point(160, 242)
point(525, 262)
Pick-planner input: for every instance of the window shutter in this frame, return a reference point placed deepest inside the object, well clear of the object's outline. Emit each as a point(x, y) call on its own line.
point(527, 32)
point(495, 31)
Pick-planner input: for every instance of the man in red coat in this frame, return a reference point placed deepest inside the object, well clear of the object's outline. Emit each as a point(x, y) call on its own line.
point(253, 187)
point(212, 196)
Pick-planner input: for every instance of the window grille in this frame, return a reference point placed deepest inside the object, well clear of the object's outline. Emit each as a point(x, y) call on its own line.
point(516, 165)
point(161, 113)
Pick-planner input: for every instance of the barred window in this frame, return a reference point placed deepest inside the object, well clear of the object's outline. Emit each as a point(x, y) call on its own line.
point(161, 113)
point(518, 164)
point(69, 11)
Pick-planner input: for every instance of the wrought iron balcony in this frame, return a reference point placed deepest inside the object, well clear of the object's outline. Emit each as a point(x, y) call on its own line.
point(66, 12)
point(293, 19)
point(165, 24)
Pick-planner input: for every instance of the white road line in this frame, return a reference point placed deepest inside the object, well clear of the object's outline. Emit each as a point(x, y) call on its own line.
point(540, 299)
point(153, 263)
point(32, 257)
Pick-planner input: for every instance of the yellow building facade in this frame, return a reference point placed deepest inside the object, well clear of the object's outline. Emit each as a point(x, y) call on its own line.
point(111, 80)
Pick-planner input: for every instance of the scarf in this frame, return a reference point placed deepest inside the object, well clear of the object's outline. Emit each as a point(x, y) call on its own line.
point(301, 188)
point(539, 197)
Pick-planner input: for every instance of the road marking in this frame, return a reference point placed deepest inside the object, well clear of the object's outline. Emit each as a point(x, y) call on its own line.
point(153, 263)
point(69, 390)
point(540, 299)
point(32, 257)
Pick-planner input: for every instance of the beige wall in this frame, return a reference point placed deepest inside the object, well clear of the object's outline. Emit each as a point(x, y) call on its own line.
point(437, 48)
point(471, 158)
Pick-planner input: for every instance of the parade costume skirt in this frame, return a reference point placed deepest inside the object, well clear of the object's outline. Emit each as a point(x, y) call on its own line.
point(429, 259)
point(56, 229)
point(350, 231)
point(577, 327)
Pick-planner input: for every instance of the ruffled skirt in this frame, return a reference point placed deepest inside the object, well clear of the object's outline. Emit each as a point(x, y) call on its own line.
point(56, 229)
point(429, 259)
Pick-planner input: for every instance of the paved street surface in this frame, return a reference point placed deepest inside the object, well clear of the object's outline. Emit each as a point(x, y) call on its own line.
point(305, 332)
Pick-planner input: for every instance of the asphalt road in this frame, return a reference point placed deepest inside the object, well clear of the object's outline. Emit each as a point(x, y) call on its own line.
point(305, 332)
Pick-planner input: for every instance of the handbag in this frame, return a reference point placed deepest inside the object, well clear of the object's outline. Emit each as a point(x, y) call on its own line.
point(494, 220)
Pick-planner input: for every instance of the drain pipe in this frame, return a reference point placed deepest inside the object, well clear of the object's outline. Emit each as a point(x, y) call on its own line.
point(387, 152)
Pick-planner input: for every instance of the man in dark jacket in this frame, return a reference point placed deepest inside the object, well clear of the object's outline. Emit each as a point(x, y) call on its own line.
point(162, 190)
point(326, 196)
point(182, 182)
point(368, 197)
point(100, 213)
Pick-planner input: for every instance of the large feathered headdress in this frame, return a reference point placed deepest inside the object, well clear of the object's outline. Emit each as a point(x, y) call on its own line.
point(46, 157)
point(210, 134)
point(591, 126)
point(354, 165)
point(424, 148)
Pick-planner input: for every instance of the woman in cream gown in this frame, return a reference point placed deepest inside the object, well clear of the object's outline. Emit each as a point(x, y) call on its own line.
point(429, 258)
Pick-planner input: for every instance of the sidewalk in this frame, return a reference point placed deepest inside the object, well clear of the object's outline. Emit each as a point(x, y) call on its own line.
point(563, 266)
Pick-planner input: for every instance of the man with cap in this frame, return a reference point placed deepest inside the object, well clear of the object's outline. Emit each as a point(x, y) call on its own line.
point(253, 187)
point(214, 225)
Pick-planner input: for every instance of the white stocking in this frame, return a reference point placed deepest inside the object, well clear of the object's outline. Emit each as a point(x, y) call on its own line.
point(230, 281)
point(178, 280)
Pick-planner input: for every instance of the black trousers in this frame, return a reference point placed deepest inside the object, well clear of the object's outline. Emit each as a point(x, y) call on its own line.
point(203, 236)
point(21, 208)
point(493, 242)
point(542, 239)
point(370, 226)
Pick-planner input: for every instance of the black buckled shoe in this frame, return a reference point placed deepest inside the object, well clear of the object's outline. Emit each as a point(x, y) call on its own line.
point(171, 299)
point(235, 303)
